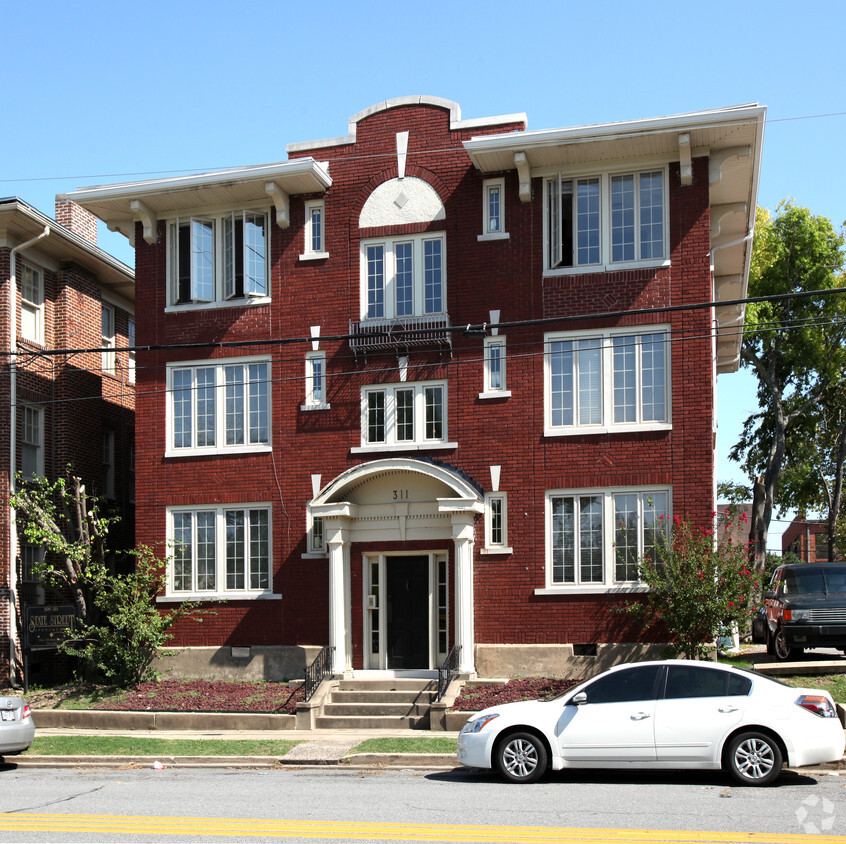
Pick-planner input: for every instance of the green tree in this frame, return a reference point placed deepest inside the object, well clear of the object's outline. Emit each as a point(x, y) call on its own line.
point(120, 629)
point(794, 346)
point(697, 586)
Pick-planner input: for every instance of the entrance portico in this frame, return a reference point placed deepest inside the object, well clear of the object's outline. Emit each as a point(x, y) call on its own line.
point(398, 506)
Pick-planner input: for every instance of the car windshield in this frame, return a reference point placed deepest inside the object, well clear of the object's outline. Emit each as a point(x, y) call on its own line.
point(814, 580)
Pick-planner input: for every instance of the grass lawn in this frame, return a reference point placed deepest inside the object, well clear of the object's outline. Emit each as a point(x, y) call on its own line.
point(143, 746)
point(408, 744)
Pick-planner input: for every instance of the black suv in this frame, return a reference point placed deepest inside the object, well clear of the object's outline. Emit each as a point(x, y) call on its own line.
point(804, 607)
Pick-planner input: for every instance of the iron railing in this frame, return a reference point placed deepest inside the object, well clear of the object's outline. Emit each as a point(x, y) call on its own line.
point(400, 332)
point(320, 668)
point(447, 671)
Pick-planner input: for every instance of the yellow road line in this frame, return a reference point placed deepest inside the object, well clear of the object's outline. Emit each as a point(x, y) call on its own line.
point(235, 827)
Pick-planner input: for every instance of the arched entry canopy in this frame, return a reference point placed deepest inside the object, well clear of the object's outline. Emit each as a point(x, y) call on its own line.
point(391, 502)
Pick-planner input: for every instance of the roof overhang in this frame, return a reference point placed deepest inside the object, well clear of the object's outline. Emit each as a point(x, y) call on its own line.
point(120, 206)
point(731, 137)
point(20, 222)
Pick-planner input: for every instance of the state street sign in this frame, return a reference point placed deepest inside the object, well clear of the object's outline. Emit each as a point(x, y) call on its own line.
point(47, 626)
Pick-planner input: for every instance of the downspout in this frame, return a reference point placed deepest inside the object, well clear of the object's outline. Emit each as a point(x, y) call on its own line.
point(13, 447)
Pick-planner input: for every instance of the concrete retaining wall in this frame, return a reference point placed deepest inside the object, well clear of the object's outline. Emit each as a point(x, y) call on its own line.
point(273, 663)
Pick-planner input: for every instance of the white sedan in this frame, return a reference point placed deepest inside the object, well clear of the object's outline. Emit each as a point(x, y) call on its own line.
point(672, 714)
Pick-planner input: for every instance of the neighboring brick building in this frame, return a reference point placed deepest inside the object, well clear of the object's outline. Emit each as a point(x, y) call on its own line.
point(807, 538)
point(61, 409)
point(413, 387)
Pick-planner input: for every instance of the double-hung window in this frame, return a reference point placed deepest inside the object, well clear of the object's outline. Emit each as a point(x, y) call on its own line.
point(404, 415)
point(32, 304)
point(493, 210)
point(403, 277)
point(314, 235)
point(32, 440)
point(220, 550)
point(494, 369)
point(107, 319)
point(315, 381)
point(600, 221)
point(597, 538)
point(601, 382)
point(496, 522)
point(218, 258)
point(219, 406)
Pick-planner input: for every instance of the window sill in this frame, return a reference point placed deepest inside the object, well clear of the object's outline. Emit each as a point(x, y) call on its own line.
point(315, 406)
point(495, 550)
point(218, 596)
point(493, 236)
point(496, 394)
point(576, 431)
point(246, 302)
point(599, 589)
point(369, 449)
point(315, 555)
point(605, 268)
point(313, 256)
point(218, 452)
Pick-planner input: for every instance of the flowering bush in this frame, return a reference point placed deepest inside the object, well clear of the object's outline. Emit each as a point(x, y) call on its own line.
point(696, 585)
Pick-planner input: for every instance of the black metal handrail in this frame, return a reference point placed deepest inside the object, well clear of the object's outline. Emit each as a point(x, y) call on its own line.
point(447, 671)
point(319, 668)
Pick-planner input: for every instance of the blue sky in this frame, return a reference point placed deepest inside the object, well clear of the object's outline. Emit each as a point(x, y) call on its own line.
point(106, 92)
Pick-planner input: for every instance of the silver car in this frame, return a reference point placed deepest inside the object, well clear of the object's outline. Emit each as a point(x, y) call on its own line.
point(16, 727)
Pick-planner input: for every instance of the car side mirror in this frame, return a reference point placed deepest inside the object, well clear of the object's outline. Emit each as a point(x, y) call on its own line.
point(578, 699)
point(769, 594)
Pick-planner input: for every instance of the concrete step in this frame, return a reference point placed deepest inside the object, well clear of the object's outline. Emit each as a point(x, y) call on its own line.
point(395, 710)
point(398, 684)
point(371, 722)
point(375, 696)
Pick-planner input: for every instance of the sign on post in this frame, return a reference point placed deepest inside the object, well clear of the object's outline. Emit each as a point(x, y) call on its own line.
point(47, 626)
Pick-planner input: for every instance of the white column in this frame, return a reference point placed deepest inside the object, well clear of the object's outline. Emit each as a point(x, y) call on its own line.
point(462, 535)
point(339, 599)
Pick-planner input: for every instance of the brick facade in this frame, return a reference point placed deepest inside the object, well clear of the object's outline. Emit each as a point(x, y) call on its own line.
point(510, 604)
point(77, 402)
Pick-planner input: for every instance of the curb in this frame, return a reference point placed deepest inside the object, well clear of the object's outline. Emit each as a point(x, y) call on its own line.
point(359, 760)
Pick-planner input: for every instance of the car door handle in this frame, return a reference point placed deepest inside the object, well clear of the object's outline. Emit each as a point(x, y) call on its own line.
point(728, 708)
point(639, 716)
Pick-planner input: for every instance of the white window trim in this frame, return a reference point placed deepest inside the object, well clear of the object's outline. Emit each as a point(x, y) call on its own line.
point(605, 263)
point(39, 413)
point(418, 282)
point(108, 340)
point(35, 307)
point(608, 425)
point(219, 594)
point(308, 253)
point(609, 585)
point(391, 444)
point(310, 402)
point(130, 338)
point(313, 552)
point(220, 421)
point(216, 215)
point(491, 547)
point(489, 392)
point(487, 232)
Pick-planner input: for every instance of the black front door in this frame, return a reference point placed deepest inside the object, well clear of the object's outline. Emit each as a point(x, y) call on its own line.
point(408, 611)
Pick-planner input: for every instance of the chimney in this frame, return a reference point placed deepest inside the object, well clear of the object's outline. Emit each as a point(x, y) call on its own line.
point(76, 218)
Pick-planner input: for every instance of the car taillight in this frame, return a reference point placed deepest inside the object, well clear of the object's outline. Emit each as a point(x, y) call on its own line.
point(26, 713)
point(818, 704)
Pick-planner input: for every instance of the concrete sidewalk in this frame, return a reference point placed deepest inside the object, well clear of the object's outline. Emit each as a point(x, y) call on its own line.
point(315, 747)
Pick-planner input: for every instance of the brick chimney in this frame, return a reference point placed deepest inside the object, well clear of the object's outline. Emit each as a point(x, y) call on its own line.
point(76, 218)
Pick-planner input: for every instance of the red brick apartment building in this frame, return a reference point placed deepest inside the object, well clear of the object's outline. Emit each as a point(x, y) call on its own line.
point(807, 538)
point(60, 293)
point(433, 383)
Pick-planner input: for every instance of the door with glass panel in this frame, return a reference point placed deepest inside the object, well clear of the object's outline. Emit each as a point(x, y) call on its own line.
point(406, 611)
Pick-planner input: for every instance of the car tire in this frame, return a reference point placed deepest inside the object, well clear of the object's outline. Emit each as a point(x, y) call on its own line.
point(521, 757)
point(754, 758)
point(782, 651)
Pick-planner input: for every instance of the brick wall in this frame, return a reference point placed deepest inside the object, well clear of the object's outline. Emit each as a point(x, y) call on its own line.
point(502, 274)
